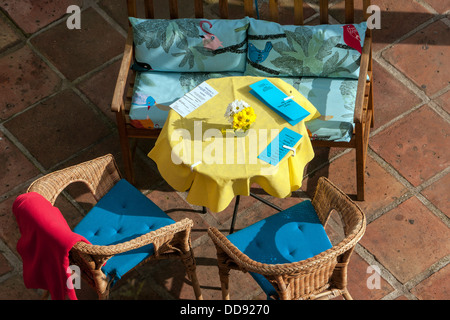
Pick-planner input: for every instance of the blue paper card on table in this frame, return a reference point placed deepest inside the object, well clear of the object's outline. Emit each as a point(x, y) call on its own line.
point(278, 101)
point(276, 150)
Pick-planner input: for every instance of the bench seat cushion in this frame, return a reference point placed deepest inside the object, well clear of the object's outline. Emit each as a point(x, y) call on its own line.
point(334, 98)
point(155, 91)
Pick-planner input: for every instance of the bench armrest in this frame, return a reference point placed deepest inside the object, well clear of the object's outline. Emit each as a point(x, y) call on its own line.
point(121, 83)
point(365, 59)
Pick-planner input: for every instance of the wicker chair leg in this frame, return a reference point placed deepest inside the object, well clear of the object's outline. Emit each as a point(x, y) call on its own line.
point(125, 148)
point(191, 270)
point(224, 275)
point(101, 284)
point(195, 284)
point(346, 295)
point(188, 259)
point(360, 161)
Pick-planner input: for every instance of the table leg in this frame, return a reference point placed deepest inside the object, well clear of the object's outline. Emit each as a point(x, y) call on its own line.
point(266, 202)
point(236, 206)
point(233, 220)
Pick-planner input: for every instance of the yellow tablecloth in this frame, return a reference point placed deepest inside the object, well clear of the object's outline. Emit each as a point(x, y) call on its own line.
point(228, 164)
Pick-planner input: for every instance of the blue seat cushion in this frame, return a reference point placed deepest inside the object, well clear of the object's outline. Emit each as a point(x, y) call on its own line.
point(292, 235)
point(123, 214)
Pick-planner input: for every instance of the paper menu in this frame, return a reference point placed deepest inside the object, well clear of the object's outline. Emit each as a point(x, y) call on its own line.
point(280, 146)
point(278, 101)
point(193, 99)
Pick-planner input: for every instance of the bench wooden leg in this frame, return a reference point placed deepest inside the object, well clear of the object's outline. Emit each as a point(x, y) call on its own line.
point(125, 148)
point(360, 161)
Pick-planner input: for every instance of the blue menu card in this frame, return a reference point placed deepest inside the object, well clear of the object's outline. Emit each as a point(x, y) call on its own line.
point(276, 150)
point(278, 101)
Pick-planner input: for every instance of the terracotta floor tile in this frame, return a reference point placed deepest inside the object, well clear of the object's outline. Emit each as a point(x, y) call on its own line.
point(439, 195)
point(24, 79)
point(402, 297)
point(177, 208)
point(393, 15)
point(75, 52)
point(9, 231)
point(444, 101)
point(436, 287)
point(15, 168)
point(13, 288)
point(5, 266)
point(256, 213)
point(146, 177)
point(134, 288)
point(100, 88)
point(57, 128)
point(407, 240)
point(117, 10)
point(31, 16)
point(244, 203)
point(416, 146)
point(9, 36)
point(322, 155)
point(423, 57)
point(172, 277)
point(439, 5)
point(363, 282)
point(381, 187)
point(389, 92)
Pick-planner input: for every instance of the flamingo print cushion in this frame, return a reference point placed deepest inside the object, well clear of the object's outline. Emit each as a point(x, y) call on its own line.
point(190, 45)
point(276, 50)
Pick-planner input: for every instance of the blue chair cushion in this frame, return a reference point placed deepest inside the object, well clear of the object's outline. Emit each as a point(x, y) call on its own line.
point(123, 214)
point(292, 235)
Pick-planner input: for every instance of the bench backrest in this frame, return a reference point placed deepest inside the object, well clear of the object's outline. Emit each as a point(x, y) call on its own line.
point(249, 9)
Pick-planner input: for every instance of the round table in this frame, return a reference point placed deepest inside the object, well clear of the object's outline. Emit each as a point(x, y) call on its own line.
point(192, 153)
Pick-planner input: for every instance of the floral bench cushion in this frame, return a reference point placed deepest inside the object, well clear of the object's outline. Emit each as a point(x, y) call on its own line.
point(190, 45)
point(276, 50)
point(334, 98)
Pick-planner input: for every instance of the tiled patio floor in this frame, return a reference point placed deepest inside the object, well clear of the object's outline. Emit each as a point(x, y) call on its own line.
point(56, 86)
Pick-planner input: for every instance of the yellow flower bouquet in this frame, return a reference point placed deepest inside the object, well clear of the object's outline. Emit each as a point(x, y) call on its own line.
point(240, 115)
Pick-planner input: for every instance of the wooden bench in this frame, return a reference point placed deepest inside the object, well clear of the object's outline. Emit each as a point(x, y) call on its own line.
point(363, 111)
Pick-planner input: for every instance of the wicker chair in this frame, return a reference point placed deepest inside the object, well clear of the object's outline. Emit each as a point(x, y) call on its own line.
point(321, 276)
point(100, 176)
